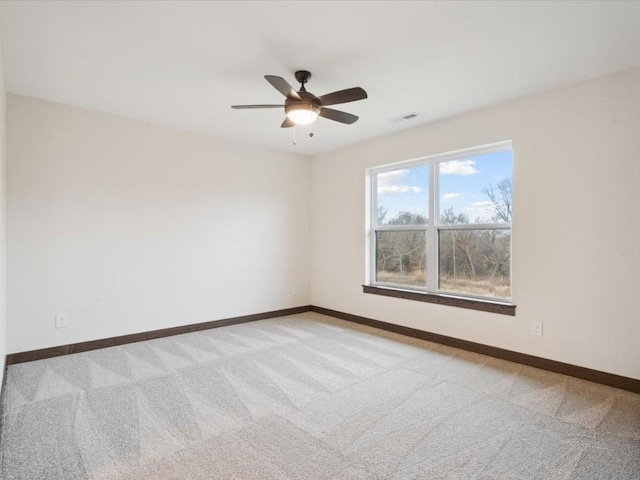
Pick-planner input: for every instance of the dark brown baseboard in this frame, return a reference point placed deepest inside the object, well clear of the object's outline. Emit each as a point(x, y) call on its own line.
point(137, 337)
point(617, 381)
point(610, 379)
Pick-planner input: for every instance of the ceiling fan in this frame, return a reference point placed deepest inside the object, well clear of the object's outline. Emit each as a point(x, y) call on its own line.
point(303, 107)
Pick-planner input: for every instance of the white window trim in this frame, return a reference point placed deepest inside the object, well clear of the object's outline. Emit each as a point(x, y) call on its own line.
point(433, 227)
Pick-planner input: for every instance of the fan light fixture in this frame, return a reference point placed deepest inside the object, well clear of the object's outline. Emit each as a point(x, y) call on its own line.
point(302, 113)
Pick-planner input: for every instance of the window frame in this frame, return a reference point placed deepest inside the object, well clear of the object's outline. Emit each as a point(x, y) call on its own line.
point(432, 231)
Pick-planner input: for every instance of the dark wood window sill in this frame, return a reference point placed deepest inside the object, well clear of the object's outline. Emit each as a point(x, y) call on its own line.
point(470, 303)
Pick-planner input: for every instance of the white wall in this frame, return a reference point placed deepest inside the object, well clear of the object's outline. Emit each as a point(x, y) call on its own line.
point(3, 224)
point(577, 204)
point(128, 227)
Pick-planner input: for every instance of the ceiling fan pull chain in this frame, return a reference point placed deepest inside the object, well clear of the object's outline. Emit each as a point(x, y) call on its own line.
point(294, 135)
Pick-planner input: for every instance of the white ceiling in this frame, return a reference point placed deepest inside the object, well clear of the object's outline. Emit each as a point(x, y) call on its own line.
point(183, 64)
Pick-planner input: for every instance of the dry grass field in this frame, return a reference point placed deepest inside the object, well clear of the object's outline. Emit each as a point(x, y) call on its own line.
point(498, 287)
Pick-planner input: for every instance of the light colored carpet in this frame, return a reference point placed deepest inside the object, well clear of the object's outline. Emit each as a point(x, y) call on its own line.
point(309, 397)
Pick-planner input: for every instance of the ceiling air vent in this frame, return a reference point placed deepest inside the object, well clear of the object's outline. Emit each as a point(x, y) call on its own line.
point(402, 118)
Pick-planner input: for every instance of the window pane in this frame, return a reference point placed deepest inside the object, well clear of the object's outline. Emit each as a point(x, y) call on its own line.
point(476, 189)
point(401, 258)
point(403, 196)
point(475, 262)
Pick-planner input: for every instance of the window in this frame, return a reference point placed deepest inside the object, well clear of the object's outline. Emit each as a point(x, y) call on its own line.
point(442, 224)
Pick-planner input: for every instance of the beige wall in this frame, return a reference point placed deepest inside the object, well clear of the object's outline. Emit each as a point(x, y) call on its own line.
point(576, 207)
point(128, 227)
point(3, 224)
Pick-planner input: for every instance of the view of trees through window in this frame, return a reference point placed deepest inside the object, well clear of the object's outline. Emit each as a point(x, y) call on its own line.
point(472, 234)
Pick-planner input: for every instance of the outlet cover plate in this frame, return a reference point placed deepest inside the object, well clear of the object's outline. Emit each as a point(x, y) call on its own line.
point(62, 320)
point(536, 329)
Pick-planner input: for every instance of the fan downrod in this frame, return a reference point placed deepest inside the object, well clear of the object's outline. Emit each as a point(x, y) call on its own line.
point(303, 77)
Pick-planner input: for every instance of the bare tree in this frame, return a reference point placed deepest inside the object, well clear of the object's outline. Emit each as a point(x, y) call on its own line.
point(448, 261)
point(382, 215)
point(470, 259)
point(401, 252)
point(449, 217)
point(501, 198)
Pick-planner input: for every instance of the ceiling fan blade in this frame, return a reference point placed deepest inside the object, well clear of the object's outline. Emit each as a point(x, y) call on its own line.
point(283, 87)
point(287, 123)
point(256, 106)
point(343, 96)
point(338, 116)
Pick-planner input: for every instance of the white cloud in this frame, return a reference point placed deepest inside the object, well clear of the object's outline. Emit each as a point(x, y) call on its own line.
point(458, 167)
point(390, 182)
point(398, 189)
point(391, 178)
point(482, 203)
point(451, 196)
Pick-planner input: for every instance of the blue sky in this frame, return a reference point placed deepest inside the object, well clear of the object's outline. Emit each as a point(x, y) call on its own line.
point(461, 185)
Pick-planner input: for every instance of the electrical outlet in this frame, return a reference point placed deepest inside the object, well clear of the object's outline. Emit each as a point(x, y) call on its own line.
point(62, 320)
point(536, 328)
